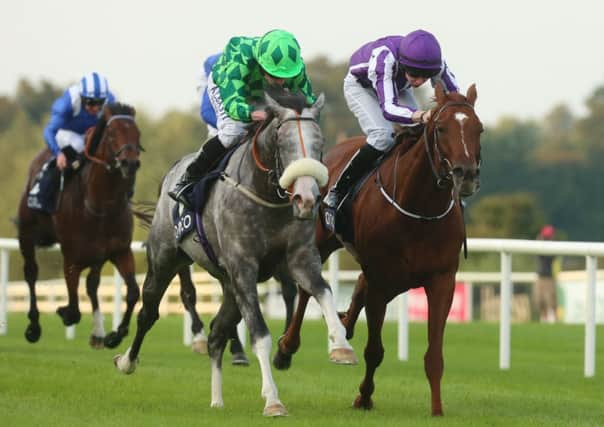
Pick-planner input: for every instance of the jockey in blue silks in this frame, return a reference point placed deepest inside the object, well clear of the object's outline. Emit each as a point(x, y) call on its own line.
point(378, 91)
point(206, 111)
point(78, 109)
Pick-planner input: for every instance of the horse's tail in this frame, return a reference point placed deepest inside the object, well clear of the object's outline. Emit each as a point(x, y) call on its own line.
point(144, 211)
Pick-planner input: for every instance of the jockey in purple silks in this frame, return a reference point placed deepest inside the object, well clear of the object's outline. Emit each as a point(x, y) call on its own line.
point(378, 90)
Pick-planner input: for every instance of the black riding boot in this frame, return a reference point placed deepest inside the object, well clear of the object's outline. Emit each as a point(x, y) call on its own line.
point(353, 171)
point(210, 154)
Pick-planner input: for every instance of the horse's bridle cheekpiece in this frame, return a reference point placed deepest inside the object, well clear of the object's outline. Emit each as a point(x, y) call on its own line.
point(114, 163)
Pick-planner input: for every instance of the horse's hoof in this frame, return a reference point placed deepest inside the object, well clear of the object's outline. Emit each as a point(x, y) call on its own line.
point(33, 332)
point(123, 363)
point(200, 347)
point(240, 359)
point(69, 316)
point(282, 361)
point(96, 342)
point(361, 403)
point(275, 410)
point(112, 340)
point(343, 356)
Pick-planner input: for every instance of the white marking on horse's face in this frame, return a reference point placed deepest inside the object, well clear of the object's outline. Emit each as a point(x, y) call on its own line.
point(461, 118)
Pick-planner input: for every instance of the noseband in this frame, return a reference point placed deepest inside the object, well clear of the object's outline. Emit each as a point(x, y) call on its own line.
point(113, 162)
point(442, 179)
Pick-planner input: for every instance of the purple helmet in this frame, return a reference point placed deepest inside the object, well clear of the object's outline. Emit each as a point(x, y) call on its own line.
point(420, 50)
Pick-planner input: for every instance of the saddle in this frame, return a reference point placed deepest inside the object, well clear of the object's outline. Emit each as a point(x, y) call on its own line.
point(405, 137)
point(185, 220)
point(49, 182)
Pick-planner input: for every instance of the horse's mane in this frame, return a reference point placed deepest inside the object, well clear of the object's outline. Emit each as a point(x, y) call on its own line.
point(293, 100)
point(113, 109)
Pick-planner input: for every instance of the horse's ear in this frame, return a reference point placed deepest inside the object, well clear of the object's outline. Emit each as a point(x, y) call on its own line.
point(471, 94)
point(439, 93)
point(273, 105)
point(318, 105)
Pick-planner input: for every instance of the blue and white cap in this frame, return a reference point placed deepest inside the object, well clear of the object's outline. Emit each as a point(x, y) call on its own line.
point(93, 85)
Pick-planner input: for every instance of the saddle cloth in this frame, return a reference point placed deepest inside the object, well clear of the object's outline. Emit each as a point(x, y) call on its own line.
point(185, 220)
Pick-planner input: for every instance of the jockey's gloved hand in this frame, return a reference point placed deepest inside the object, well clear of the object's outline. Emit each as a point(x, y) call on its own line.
point(61, 161)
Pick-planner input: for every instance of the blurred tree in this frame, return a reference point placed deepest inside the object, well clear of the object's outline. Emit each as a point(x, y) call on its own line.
point(556, 144)
point(590, 130)
point(36, 102)
point(337, 122)
point(515, 215)
point(8, 111)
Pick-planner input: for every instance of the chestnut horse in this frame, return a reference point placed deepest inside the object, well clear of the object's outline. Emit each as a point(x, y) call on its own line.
point(92, 222)
point(408, 232)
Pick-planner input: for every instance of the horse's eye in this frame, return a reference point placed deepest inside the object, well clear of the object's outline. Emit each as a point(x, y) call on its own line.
point(440, 129)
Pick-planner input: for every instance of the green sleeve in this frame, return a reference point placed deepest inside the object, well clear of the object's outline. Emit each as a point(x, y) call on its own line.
point(302, 83)
point(230, 74)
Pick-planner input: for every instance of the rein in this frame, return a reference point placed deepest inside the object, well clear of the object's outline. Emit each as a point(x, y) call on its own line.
point(441, 180)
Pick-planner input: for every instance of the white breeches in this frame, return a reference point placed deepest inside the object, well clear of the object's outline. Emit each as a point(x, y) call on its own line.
point(229, 130)
point(69, 138)
point(364, 104)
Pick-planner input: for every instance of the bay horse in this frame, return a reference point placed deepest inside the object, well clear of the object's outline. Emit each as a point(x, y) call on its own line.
point(92, 222)
point(258, 217)
point(408, 232)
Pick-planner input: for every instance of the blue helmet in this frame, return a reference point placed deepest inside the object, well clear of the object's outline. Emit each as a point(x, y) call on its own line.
point(95, 86)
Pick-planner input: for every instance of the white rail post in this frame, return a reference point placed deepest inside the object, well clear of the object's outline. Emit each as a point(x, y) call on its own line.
point(590, 316)
point(187, 321)
point(4, 257)
point(505, 306)
point(403, 326)
point(117, 300)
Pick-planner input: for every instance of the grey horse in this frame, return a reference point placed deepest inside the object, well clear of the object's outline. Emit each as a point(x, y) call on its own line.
point(259, 218)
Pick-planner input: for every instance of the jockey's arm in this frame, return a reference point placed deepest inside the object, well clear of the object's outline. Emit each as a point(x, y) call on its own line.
point(302, 83)
point(446, 79)
point(61, 111)
point(380, 75)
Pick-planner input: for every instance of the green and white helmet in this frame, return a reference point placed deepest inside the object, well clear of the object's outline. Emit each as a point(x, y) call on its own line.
point(278, 53)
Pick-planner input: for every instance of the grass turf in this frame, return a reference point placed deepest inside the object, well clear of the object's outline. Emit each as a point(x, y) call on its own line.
point(57, 382)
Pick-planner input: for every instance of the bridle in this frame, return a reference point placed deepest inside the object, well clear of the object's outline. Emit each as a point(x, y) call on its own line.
point(113, 162)
point(443, 178)
point(275, 173)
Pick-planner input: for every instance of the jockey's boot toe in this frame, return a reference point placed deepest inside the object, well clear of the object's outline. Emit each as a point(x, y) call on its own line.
point(332, 199)
point(178, 193)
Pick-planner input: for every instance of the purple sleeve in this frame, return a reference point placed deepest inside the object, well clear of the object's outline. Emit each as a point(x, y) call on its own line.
point(380, 73)
point(447, 78)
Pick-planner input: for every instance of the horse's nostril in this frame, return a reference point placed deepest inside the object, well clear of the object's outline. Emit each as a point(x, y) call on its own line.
point(458, 172)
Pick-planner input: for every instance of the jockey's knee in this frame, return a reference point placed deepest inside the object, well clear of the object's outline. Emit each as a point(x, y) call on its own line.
point(381, 139)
